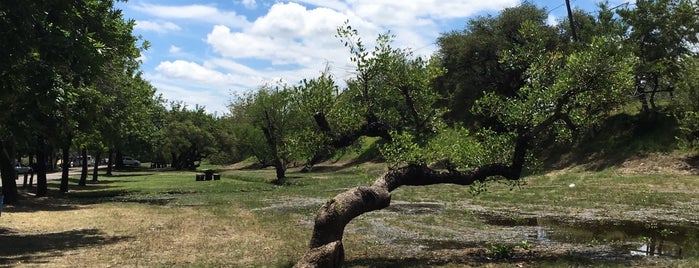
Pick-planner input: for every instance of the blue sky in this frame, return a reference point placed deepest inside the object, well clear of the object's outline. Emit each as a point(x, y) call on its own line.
point(206, 52)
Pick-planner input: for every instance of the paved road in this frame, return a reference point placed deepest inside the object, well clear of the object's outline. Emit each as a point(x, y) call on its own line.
point(51, 176)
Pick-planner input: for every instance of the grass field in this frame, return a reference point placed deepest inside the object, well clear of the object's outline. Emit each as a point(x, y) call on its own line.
point(152, 218)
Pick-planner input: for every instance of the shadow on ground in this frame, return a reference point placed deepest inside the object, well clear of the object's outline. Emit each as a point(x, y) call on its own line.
point(36, 248)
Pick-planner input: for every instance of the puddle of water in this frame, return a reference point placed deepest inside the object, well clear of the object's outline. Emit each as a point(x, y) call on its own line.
point(671, 239)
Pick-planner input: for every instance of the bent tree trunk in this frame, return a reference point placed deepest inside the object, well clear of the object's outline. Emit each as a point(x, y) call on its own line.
point(326, 249)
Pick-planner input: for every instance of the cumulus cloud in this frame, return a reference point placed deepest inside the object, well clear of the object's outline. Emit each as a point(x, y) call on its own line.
point(251, 4)
point(399, 13)
point(288, 34)
point(210, 99)
point(295, 40)
point(159, 27)
point(174, 49)
point(207, 74)
point(201, 13)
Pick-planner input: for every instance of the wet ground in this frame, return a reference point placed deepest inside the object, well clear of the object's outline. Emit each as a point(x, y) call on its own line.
point(427, 228)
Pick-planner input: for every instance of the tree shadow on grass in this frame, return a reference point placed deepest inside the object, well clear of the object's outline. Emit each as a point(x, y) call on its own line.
point(36, 248)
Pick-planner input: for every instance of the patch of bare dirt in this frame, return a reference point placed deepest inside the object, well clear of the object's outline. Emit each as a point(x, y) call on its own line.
point(673, 164)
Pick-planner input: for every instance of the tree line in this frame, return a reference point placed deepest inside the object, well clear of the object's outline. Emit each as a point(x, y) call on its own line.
point(71, 84)
point(472, 112)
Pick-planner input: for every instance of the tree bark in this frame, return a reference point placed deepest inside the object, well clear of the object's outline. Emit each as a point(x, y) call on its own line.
point(326, 248)
point(110, 162)
point(9, 174)
point(41, 183)
point(83, 170)
point(332, 217)
point(65, 166)
point(96, 167)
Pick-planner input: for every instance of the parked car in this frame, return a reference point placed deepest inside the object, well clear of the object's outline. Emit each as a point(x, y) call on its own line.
point(21, 169)
point(79, 161)
point(128, 161)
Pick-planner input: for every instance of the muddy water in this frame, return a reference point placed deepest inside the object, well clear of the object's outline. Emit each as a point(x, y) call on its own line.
point(635, 238)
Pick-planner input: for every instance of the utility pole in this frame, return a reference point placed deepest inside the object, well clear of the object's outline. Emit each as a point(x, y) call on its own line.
point(572, 23)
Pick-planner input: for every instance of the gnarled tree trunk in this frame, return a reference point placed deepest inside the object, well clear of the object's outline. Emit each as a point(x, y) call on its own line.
point(326, 248)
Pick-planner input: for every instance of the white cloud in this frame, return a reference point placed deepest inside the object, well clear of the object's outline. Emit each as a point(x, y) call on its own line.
point(551, 20)
point(404, 13)
point(201, 13)
point(142, 58)
point(174, 49)
point(293, 41)
point(332, 4)
point(287, 34)
point(211, 100)
point(207, 74)
point(251, 4)
point(158, 27)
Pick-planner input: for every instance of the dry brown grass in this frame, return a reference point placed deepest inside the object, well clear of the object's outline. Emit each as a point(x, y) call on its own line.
point(137, 235)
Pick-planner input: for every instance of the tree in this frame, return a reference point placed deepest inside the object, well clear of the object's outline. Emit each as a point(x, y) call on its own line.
point(188, 135)
point(471, 58)
point(660, 33)
point(135, 118)
point(314, 98)
point(58, 52)
point(270, 114)
point(562, 94)
point(687, 110)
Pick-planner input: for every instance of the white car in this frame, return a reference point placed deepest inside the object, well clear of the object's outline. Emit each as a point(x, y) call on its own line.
point(130, 161)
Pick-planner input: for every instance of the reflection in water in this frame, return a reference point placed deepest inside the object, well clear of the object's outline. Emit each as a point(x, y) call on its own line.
point(671, 239)
point(541, 234)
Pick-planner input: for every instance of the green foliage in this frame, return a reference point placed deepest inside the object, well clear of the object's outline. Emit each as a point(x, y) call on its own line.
point(274, 124)
point(580, 86)
point(661, 33)
point(188, 135)
point(392, 86)
point(687, 109)
point(525, 245)
point(501, 251)
point(472, 58)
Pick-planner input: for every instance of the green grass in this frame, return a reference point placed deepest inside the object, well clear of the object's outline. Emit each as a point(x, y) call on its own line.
point(276, 221)
point(167, 219)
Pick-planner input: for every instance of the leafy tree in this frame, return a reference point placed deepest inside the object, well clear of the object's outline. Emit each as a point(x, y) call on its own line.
point(374, 104)
point(135, 116)
point(563, 92)
point(57, 49)
point(188, 136)
point(660, 33)
point(273, 125)
point(226, 139)
point(314, 98)
point(687, 110)
point(471, 58)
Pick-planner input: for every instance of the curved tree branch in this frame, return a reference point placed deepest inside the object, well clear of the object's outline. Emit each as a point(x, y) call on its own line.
point(372, 128)
point(326, 248)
